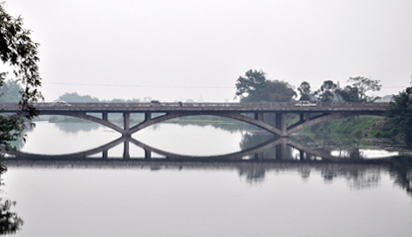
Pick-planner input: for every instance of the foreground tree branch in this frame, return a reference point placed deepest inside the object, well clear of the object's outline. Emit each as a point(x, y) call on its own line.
point(20, 54)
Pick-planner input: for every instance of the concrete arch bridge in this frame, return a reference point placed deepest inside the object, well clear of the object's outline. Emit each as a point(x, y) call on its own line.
point(252, 113)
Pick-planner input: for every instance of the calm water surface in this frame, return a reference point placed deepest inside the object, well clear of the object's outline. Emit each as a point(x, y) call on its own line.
point(199, 198)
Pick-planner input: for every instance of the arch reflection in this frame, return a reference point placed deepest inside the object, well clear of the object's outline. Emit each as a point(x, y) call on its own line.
point(252, 164)
point(266, 149)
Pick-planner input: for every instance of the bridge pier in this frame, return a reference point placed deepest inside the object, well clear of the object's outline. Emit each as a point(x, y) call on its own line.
point(105, 154)
point(104, 116)
point(304, 117)
point(281, 151)
point(259, 156)
point(147, 154)
point(126, 150)
point(147, 117)
point(259, 116)
point(126, 124)
point(281, 123)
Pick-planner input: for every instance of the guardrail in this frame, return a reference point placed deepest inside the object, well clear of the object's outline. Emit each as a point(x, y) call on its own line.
point(213, 106)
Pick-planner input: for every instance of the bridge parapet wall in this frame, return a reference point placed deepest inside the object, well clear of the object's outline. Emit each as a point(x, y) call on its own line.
point(294, 107)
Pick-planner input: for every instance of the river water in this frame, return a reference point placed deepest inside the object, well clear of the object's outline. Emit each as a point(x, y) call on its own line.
point(187, 189)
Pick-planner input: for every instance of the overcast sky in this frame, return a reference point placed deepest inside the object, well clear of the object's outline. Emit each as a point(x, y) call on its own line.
point(181, 49)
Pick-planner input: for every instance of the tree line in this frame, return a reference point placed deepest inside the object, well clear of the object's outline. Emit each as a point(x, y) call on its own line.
point(255, 87)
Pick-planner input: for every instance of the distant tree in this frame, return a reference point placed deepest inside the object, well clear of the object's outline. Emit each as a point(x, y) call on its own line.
point(248, 87)
point(19, 52)
point(305, 91)
point(10, 92)
point(399, 114)
point(277, 91)
point(348, 94)
point(363, 85)
point(326, 92)
point(117, 101)
point(74, 97)
point(134, 100)
point(254, 87)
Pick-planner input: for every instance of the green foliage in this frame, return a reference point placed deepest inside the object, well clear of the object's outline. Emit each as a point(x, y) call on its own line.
point(11, 128)
point(19, 52)
point(10, 223)
point(305, 91)
point(254, 87)
point(251, 84)
point(356, 92)
point(363, 85)
point(277, 91)
point(326, 92)
point(358, 127)
point(399, 114)
point(349, 94)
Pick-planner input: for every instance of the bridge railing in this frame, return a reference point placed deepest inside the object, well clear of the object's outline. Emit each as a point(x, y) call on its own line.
point(214, 106)
point(352, 104)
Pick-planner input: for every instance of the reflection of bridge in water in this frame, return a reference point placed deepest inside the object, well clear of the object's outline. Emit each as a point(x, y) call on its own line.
point(154, 113)
point(360, 173)
point(280, 146)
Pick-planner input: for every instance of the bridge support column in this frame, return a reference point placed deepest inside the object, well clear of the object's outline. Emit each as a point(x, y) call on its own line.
point(302, 155)
point(126, 123)
point(259, 156)
point(281, 123)
point(259, 116)
point(304, 117)
point(104, 155)
point(147, 117)
point(281, 151)
point(104, 116)
point(147, 154)
point(126, 153)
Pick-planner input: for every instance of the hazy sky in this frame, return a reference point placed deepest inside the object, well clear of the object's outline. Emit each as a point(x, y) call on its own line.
point(175, 50)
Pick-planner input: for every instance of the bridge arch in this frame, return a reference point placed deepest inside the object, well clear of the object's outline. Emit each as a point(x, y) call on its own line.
point(149, 121)
point(280, 130)
point(104, 149)
point(322, 111)
point(233, 115)
point(103, 121)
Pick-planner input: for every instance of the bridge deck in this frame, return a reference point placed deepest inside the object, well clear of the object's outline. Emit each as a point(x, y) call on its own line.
point(294, 107)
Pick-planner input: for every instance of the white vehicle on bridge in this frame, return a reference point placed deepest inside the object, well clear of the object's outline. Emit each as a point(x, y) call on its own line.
point(305, 103)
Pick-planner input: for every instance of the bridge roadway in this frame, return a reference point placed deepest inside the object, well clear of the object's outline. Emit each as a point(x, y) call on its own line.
point(310, 113)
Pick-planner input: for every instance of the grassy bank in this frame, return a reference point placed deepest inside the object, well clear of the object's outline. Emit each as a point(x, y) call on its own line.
point(358, 127)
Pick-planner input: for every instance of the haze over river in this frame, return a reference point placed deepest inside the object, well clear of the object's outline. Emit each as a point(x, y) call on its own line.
point(290, 195)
